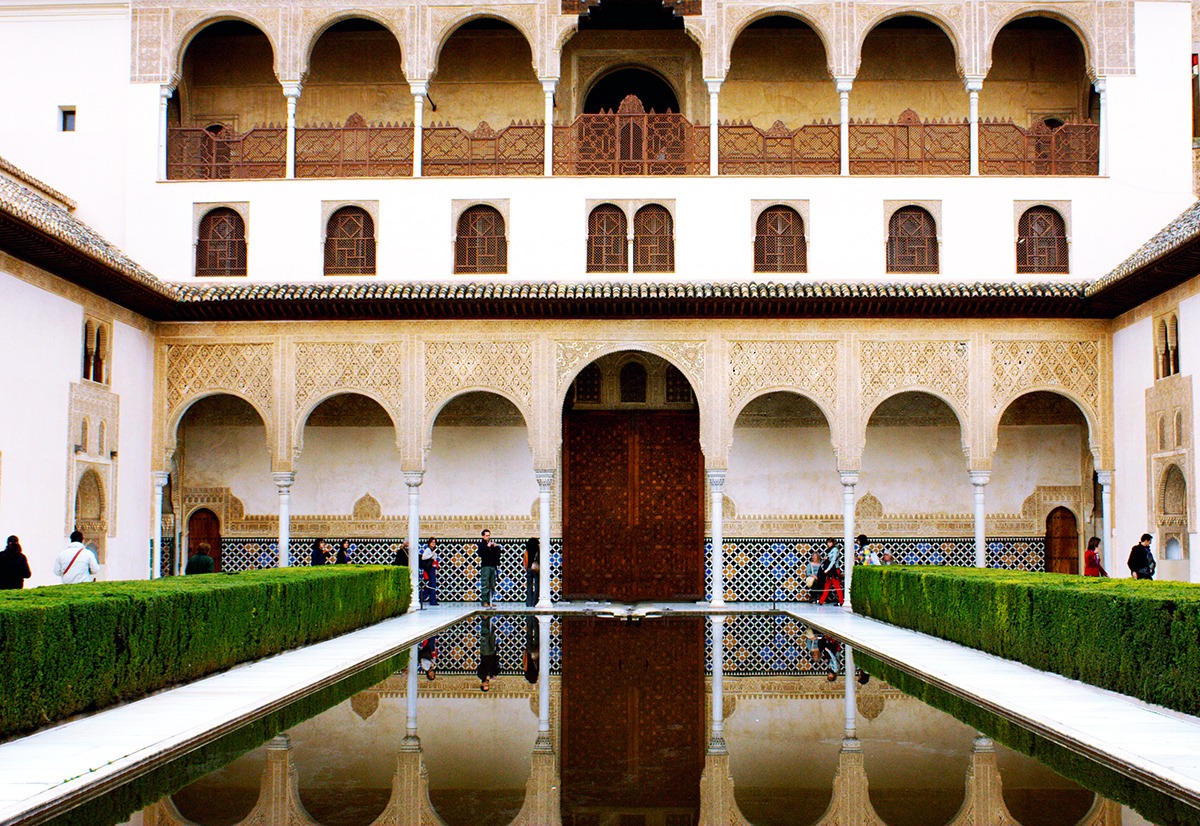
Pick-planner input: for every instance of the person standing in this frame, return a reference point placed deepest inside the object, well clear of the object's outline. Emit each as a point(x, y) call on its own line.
point(1141, 561)
point(533, 548)
point(1091, 559)
point(428, 565)
point(489, 562)
point(427, 658)
point(831, 574)
point(14, 567)
point(76, 563)
point(489, 654)
point(201, 562)
point(344, 552)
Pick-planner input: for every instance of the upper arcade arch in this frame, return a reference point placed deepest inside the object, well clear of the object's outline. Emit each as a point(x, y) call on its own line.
point(1061, 14)
point(511, 16)
point(435, 411)
point(305, 414)
point(175, 417)
point(760, 394)
point(205, 23)
point(913, 393)
point(874, 16)
point(759, 15)
point(1085, 410)
point(313, 31)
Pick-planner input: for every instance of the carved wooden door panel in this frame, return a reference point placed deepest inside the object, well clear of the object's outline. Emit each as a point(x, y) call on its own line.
point(205, 529)
point(633, 513)
point(1062, 542)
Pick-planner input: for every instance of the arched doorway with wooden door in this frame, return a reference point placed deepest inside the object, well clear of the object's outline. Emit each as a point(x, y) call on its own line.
point(633, 482)
point(1062, 542)
point(90, 512)
point(204, 528)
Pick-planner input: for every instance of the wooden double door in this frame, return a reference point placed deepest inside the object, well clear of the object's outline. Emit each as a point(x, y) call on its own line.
point(633, 505)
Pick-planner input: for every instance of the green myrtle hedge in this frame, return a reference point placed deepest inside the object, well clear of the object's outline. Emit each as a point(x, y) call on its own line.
point(1140, 638)
point(72, 648)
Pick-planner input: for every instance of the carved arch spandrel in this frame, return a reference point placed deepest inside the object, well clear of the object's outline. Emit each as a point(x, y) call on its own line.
point(949, 17)
point(1079, 17)
point(186, 24)
point(440, 22)
point(820, 17)
point(315, 22)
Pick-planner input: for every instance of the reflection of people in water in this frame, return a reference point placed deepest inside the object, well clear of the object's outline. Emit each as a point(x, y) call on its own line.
point(489, 656)
point(824, 651)
point(427, 657)
point(532, 651)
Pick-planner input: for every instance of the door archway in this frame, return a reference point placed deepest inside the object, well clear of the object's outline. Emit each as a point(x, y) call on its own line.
point(1062, 542)
point(204, 528)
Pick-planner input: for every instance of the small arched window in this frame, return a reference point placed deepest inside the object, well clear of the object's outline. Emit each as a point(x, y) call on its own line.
point(633, 383)
point(653, 240)
point(608, 250)
point(779, 241)
point(1166, 346)
point(221, 244)
point(84, 437)
point(912, 241)
point(587, 385)
point(1041, 241)
point(350, 243)
point(95, 351)
point(480, 246)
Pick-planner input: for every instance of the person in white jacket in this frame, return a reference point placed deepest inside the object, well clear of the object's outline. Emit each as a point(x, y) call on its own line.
point(76, 563)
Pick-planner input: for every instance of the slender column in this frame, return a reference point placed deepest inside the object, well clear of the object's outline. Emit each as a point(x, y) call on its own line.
point(292, 92)
point(1105, 477)
point(545, 480)
point(979, 478)
point(418, 93)
point(851, 688)
point(414, 668)
point(714, 117)
point(716, 742)
point(548, 86)
point(844, 85)
point(164, 95)
point(974, 84)
point(849, 480)
point(1101, 86)
point(413, 479)
point(716, 482)
point(284, 481)
point(544, 738)
point(159, 477)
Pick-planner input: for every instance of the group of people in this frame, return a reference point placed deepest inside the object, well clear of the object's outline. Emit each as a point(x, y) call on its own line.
point(823, 575)
point(325, 552)
point(489, 554)
point(1141, 561)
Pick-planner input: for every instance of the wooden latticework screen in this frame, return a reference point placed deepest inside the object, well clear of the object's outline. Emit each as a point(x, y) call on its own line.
point(910, 146)
point(608, 249)
point(201, 154)
point(912, 241)
point(350, 243)
point(631, 141)
point(481, 246)
point(1041, 241)
point(221, 244)
point(779, 244)
point(653, 240)
point(1008, 149)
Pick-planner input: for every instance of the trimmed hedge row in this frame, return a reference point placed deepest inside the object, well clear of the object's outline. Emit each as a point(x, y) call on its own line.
point(74, 648)
point(1139, 638)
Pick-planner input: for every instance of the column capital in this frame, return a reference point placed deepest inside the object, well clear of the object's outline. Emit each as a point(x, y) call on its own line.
point(549, 84)
point(160, 478)
point(166, 92)
point(844, 84)
point(420, 88)
point(292, 88)
point(1104, 477)
point(714, 85)
point(974, 83)
point(716, 478)
point(545, 478)
point(283, 479)
point(849, 478)
point(979, 478)
point(414, 478)
point(1100, 84)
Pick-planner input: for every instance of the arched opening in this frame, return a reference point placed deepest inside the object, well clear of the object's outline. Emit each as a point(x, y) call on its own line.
point(481, 245)
point(1041, 241)
point(779, 242)
point(653, 240)
point(350, 242)
point(912, 245)
point(655, 94)
point(608, 242)
point(1173, 519)
point(778, 71)
point(633, 511)
point(204, 534)
point(1038, 75)
point(1062, 542)
point(91, 512)
point(484, 74)
point(908, 62)
point(355, 68)
point(221, 244)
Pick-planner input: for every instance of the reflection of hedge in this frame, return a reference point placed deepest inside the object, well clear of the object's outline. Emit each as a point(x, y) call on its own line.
point(1139, 638)
point(73, 648)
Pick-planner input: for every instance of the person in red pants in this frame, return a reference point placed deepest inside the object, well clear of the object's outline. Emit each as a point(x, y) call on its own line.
point(832, 574)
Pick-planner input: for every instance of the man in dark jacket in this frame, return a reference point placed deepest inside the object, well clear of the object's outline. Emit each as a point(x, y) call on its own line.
point(1141, 561)
point(489, 562)
point(201, 562)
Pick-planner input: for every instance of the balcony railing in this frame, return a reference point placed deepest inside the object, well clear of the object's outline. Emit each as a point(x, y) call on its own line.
point(1008, 149)
point(910, 146)
point(631, 141)
point(200, 154)
point(518, 149)
point(355, 150)
point(746, 149)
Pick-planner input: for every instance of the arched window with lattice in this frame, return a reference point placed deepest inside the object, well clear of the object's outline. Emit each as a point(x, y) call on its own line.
point(608, 248)
point(350, 242)
point(912, 241)
point(779, 244)
point(1041, 241)
point(653, 240)
point(1166, 346)
point(221, 244)
point(480, 246)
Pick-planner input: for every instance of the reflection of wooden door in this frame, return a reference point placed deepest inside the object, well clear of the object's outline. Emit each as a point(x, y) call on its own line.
point(1062, 542)
point(632, 718)
point(633, 511)
point(205, 528)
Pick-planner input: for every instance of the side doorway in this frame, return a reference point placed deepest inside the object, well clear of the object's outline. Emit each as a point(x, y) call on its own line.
point(1062, 542)
point(204, 528)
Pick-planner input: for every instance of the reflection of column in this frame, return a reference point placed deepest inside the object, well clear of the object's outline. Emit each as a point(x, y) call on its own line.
point(843, 87)
point(159, 477)
point(284, 481)
point(717, 804)
point(279, 789)
point(545, 479)
point(413, 479)
point(1105, 477)
point(164, 95)
point(1101, 85)
point(984, 800)
point(292, 92)
point(548, 85)
point(851, 802)
point(544, 740)
point(716, 742)
point(714, 115)
point(716, 481)
point(542, 805)
point(974, 83)
point(979, 478)
point(851, 712)
point(414, 668)
point(849, 480)
point(418, 93)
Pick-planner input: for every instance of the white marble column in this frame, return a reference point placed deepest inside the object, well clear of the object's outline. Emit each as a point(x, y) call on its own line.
point(284, 481)
point(979, 478)
point(419, 91)
point(549, 84)
point(545, 481)
point(413, 479)
point(1105, 477)
point(414, 668)
point(159, 478)
point(716, 483)
point(1101, 86)
point(849, 480)
point(544, 740)
point(714, 118)
point(851, 713)
point(974, 84)
point(164, 95)
point(716, 740)
point(291, 91)
point(844, 84)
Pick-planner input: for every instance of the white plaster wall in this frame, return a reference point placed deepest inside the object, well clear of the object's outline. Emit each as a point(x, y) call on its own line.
point(235, 457)
point(1028, 457)
point(479, 471)
point(132, 365)
point(1133, 373)
point(783, 470)
point(916, 470)
point(341, 464)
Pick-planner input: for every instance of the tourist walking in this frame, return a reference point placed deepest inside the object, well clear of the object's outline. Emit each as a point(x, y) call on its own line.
point(1141, 561)
point(489, 562)
point(533, 549)
point(812, 572)
point(1091, 559)
point(14, 567)
point(429, 567)
point(401, 557)
point(201, 562)
point(76, 563)
point(344, 552)
point(831, 575)
point(318, 552)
